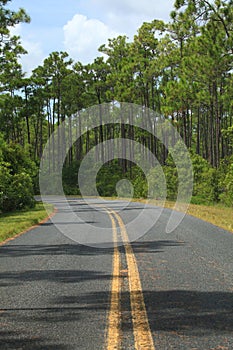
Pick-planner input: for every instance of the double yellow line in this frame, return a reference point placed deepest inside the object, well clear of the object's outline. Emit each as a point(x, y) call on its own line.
point(142, 334)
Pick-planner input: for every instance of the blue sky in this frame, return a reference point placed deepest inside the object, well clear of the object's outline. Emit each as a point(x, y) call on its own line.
point(81, 26)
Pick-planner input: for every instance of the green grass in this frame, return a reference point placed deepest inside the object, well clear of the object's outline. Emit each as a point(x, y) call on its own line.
point(13, 223)
point(215, 214)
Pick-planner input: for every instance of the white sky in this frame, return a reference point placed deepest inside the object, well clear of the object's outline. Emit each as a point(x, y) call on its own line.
point(81, 26)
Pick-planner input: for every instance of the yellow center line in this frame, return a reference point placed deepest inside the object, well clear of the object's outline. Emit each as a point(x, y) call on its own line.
point(113, 333)
point(142, 333)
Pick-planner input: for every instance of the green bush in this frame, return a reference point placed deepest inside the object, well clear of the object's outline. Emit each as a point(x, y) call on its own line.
point(107, 179)
point(205, 186)
point(226, 181)
point(70, 178)
point(20, 193)
point(16, 191)
point(205, 178)
point(171, 176)
point(18, 159)
point(5, 181)
point(16, 171)
point(140, 187)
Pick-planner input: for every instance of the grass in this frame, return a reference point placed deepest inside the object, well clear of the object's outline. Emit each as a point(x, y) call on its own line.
point(14, 223)
point(215, 214)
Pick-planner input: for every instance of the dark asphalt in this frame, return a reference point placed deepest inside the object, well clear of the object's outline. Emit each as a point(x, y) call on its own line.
point(54, 292)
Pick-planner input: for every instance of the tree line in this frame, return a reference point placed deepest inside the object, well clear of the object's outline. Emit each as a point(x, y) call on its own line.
point(182, 70)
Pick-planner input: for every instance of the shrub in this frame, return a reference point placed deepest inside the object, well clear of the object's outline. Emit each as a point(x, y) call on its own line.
point(226, 181)
point(16, 171)
point(171, 176)
point(205, 186)
point(16, 191)
point(107, 179)
point(140, 187)
point(157, 183)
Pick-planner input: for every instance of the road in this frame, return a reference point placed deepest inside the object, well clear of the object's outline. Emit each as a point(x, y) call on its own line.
point(163, 291)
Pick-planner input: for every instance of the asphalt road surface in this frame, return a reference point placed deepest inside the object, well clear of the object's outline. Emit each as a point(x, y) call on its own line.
point(81, 281)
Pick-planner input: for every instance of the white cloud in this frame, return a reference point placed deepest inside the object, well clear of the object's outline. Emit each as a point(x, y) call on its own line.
point(154, 9)
point(35, 55)
point(93, 24)
point(34, 58)
point(127, 24)
point(127, 16)
point(83, 37)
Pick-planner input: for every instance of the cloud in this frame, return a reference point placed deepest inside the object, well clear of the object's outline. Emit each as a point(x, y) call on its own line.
point(127, 24)
point(83, 37)
point(34, 58)
point(35, 55)
point(83, 26)
point(127, 16)
point(147, 8)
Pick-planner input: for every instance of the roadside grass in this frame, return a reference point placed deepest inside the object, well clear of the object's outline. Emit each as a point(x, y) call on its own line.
point(14, 223)
point(215, 214)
